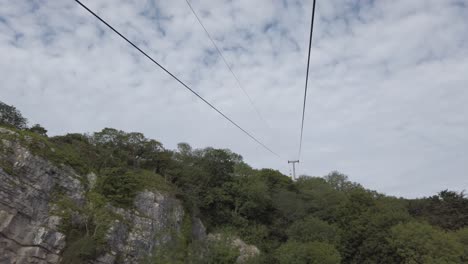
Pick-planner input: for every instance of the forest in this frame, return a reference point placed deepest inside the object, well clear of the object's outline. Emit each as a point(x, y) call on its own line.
point(316, 220)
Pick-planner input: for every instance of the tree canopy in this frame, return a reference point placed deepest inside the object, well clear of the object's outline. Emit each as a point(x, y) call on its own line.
point(12, 117)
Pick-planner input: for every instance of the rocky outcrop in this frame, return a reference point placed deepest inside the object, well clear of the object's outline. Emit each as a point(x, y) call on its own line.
point(28, 233)
point(246, 251)
point(153, 222)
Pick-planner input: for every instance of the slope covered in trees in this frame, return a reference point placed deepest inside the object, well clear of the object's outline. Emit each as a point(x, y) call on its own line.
point(312, 220)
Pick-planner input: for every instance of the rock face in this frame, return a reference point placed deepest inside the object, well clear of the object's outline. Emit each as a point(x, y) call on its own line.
point(154, 222)
point(28, 233)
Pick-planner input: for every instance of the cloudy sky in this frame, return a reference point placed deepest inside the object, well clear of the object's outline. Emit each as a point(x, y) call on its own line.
point(388, 96)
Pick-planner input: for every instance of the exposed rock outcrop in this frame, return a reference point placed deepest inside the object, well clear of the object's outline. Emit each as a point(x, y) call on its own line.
point(154, 222)
point(28, 233)
point(246, 251)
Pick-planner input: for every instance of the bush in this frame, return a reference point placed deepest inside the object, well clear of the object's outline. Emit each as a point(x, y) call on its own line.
point(86, 235)
point(82, 250)
point(119, 186)
point(313, 229)
point(421, 243)
point(11, 117)
point(307, 253)
point(462, 237)
point(38, 129)
point(214, 250)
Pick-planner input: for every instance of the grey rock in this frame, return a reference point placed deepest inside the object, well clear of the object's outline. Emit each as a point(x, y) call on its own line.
point(92, 178)
point(246, 251)
point(28, 233)
point(107, 258)
point(6, 131)
point(153, 222)
point(198, 229)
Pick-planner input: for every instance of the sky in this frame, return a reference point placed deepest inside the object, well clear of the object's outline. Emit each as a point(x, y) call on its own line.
point(387, 102)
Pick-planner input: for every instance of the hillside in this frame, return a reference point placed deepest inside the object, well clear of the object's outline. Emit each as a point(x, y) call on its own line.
point(118, 197)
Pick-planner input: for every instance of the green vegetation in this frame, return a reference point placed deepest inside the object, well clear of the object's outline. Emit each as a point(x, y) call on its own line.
point(213, 251)
point(38, 129)
point(174, 251)
point(86, 238)
point(5, 163)
point(447, 210)
point(11, 117)
point(311, 252)
point(421, 243)
point(313, 229)
point(312, 220)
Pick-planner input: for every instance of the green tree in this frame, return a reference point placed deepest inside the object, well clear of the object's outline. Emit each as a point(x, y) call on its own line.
point(289, 204)
point(110, 143)
point(135, 144)
point(76, 151)
point(313, 229)
point(307, 253)
point(12, 117)
point(243, 169)
point(421, 243)
point(340, 182)
point(447, 209)
point(320, 199)
point(252, 199)
point(85, 238)
point(365, 222)
point(119, 186)
point(38, 129)
point(205, 178)
point(218, 163)
point(120, 149)
point(154, 157)
point(275, 179)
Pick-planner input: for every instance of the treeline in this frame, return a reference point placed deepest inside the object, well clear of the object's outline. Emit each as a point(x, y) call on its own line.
point(312, 220)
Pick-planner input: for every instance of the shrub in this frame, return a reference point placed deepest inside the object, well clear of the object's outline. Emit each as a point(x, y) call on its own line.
point(311, 253)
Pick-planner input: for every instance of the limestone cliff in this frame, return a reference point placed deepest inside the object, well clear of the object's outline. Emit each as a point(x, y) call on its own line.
point(28, 232)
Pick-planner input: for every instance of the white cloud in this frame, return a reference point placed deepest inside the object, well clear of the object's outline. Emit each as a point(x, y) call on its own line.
point(386, 105)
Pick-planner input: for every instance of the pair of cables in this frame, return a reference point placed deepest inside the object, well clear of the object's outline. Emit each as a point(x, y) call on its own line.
point(229, 68)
